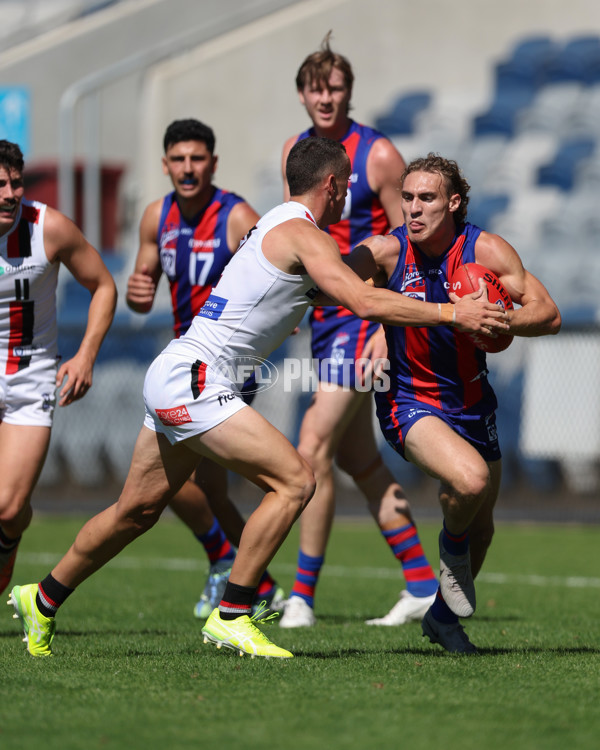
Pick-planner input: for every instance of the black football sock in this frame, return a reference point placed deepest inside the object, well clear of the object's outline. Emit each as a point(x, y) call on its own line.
point(51, 594)
point(236, 601)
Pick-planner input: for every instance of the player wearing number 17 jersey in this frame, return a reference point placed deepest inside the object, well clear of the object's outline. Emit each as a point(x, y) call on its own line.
point(194, 251)
point(189, 236)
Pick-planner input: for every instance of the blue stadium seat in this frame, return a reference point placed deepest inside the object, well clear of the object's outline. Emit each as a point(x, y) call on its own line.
point(528, 62)
point(500, 118)
point(400, 120)
point(482, 208)
point(579, 60)
point(554, 108)
point(561, 171)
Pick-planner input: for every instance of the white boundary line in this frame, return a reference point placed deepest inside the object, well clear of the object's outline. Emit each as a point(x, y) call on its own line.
point(188, 564)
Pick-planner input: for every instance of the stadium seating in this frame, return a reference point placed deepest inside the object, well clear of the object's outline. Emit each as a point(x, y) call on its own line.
point(501, 116)
point(577, 60)
point(551, 109)
point(561, 170)
point(483, 207)
point(528, 62)
point(401, 117)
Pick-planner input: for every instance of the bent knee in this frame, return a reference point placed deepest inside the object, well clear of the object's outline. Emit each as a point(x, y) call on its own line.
point(307, 484)
point(15, 515)
point(474, 482)
point(300, 487)
point(136, 519)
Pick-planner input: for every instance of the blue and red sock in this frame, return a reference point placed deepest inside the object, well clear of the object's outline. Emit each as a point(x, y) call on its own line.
point(406, 547)
point(441, 611)
point(216, 544)
point(266, 585)
point(455, 544)
point(307, 576)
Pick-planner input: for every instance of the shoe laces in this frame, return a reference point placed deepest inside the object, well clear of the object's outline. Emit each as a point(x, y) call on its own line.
point(263, 613)
point(258, 618)
point(459, 574)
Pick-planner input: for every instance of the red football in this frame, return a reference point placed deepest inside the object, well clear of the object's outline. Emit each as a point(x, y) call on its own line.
point(465, 281)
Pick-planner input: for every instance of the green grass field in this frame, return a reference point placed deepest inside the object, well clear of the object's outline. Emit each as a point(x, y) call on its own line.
point(130, 669)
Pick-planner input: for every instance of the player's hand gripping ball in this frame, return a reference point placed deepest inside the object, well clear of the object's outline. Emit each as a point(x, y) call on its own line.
point(465, 281)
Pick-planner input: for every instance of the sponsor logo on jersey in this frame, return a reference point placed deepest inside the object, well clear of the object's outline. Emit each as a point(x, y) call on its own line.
point(17, 269)
point(213, 307)
point(412, 413)
point(23, 351)
point(176, 415)
point(171, 235)
point(213, 242)
point(413, 276)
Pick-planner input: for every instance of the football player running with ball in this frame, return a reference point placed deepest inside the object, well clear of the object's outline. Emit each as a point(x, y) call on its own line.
point(440, 410)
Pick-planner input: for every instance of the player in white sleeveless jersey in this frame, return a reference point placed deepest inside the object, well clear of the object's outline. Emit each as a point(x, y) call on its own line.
point(194, 406)
point(34, 240)
point(240, 321)
point(28, 337)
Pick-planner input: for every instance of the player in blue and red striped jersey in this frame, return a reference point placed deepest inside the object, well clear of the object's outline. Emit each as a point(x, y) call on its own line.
point(34, 240)
point(189, 236)
point(338, 422)
point(439, 412)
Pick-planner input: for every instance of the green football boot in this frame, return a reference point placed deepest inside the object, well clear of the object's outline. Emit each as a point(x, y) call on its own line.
point(242, 636)
point(38, 629)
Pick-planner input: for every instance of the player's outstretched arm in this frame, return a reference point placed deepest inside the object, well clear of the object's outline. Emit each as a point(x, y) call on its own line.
point(337, 279)
point(64, 242)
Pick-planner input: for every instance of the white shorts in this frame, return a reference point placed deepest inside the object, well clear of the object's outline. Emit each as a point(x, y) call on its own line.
point(185, 398)
point(28, 397)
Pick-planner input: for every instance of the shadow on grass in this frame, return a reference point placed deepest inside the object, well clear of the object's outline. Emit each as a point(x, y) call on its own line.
point(350, 620)
point(98, 633)
point(439, 653)
point(320, 655)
